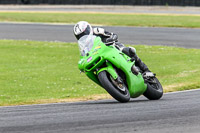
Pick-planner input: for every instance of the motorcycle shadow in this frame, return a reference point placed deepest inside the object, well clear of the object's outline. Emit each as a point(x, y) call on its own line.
point(113, 101)
point(116, 102)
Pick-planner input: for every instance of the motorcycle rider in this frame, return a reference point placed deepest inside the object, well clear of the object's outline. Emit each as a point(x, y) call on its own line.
point(84, 28)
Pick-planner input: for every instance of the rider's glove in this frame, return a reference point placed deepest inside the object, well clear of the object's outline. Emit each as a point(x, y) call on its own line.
point(114, 37)
point(108, 37)
point(110, 40)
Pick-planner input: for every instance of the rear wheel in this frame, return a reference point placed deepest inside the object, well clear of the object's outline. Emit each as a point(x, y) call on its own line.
point(116, 88)
point(154, 89)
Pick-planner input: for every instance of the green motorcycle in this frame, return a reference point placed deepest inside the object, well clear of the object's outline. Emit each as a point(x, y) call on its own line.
point(115, 71)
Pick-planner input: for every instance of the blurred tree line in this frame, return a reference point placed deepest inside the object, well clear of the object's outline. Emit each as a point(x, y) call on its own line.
point(107, 2)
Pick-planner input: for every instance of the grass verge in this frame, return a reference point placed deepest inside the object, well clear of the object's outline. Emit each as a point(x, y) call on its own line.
point(43, 72)
point(150, 20)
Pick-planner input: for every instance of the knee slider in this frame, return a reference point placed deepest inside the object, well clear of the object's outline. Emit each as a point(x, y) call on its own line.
point(132, 51)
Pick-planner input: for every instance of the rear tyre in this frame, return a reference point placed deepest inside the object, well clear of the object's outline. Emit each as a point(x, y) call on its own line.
point(154, 89)
point(117, 91)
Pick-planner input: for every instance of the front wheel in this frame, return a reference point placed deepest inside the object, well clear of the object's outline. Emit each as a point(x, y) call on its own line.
point(117, 90)
point(154, 89)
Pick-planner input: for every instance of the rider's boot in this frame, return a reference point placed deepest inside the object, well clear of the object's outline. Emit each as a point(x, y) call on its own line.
point(146, 72)
point(131, 52)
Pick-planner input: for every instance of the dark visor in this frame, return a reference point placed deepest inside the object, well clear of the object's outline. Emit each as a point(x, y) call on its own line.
point(86, 32)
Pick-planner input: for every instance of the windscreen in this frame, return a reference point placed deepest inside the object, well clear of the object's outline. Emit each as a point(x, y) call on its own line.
point(86, 43)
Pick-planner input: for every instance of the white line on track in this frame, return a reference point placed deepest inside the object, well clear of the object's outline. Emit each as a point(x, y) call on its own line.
point(182, 91)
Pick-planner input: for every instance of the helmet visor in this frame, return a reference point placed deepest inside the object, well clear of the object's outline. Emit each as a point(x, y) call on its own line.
point(87, 31)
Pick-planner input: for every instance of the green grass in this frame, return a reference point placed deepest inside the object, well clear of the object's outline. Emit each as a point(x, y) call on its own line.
point(105, 19)
point(38, 72)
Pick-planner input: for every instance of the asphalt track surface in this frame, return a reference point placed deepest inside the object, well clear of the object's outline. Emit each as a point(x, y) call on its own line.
point(180, 37)
point(174, 113)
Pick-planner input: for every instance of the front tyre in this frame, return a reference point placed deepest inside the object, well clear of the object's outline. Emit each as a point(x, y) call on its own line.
point(154, 89)
point(116, 90)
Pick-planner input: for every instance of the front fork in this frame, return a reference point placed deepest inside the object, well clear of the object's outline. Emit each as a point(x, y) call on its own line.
point(116, 80)
point(110, 70)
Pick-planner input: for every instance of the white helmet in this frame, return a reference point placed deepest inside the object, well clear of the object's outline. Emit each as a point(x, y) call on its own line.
point(82, 28)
